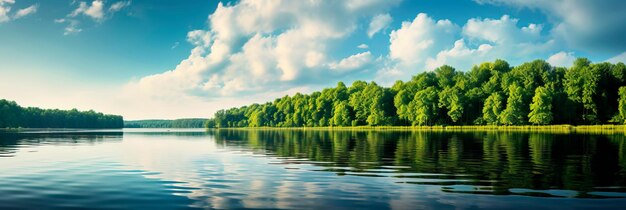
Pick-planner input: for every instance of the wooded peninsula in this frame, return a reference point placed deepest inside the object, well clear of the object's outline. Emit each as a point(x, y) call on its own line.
point(14, 116)
point(492, 93)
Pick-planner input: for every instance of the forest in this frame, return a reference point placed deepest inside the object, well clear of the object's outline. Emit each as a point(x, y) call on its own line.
point(178, 123)
point(492, 93)
point(13, 115)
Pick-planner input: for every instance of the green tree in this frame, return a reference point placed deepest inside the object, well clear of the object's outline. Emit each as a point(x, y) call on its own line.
point(493, 108)
point(360, 101)
point(541, 108)
point(13, 115)
point(210, 123)
point(622, 104)
point(581, 84)
point(342, 114)
point(513, 115)
point(451, 100)
point(257, 119)
point(425, 106)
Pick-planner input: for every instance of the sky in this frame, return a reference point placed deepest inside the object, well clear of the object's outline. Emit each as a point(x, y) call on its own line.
point(158, 59)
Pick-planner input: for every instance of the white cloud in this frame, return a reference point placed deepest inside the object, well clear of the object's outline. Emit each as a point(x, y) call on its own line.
point(426, 44)
point(460, 56)
point(72, 26)
point(362, 46)
point(379, 22)
point(562, 59)
point(96, 11)
point(501, 31)
point(117, 6)
point(265, 46)
point(353, 62)
point(199, 38)
point(494, 39)
point(5, 9)
point(26, 11)
point(587, 25)
point(415, 41)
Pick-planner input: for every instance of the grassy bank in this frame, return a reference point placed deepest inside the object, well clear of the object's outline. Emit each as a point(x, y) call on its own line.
point(593, 129)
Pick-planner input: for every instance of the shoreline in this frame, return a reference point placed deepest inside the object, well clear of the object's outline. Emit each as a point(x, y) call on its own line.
point(602, 129)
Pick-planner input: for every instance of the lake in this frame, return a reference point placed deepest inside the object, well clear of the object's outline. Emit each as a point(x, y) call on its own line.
point(296, 169)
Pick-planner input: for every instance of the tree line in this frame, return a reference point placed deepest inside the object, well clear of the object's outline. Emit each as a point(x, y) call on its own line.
point(492, 93)
point(13, 115)
point(178, 123)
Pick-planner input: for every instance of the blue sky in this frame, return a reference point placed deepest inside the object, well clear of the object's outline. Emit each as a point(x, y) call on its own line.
point(172, 59)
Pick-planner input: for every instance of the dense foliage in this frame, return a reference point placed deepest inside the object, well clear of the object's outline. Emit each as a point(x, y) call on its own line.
point(491, 93)
point(179, 123)
point(14, 116)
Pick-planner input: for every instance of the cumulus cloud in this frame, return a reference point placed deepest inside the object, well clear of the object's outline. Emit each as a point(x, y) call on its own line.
point(461, 56)
point(379, 22)
point(583, 24)
point(253, 47)
point(415, 41)
point(95, 11)
point(501, 31)
point(353, 62)
point(495, 38)
point(5, 9)
point(425, 43)
point(563, 59)
point(259, 46)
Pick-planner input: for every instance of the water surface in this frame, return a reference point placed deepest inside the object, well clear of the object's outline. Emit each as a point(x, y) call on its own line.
point(294, 169)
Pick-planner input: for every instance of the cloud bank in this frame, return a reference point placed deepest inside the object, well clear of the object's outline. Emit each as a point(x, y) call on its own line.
point(256, 48)
point(583, 24)
point(259, 46)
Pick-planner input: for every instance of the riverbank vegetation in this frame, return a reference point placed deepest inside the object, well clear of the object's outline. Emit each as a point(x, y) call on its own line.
point(560, 129)
point(178, 123)
point(13, 115)
point(492, 93)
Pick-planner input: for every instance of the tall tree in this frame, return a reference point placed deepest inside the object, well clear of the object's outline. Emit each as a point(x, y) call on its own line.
point(622, 104)
point(493, 108)
point(425, 106)
point(342, 114)
point(451, 100)
point(513, 114)
point(541, 108)
point(581, 85)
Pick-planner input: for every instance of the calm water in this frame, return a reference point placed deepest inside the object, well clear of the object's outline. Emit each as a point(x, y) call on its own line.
point(179, 169)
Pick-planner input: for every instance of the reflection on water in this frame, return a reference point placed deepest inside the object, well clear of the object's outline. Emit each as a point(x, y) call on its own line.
point(295, 169)
point(491, 162)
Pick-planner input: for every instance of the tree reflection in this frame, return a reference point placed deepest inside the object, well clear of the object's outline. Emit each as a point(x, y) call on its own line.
point(497, 161)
